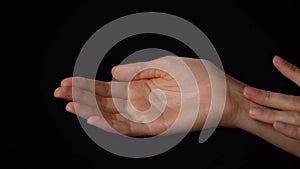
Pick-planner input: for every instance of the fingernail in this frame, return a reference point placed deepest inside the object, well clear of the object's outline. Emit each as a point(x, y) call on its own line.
point(255, 111)
point(251, 91)
point(280, 61)
point(279, 125)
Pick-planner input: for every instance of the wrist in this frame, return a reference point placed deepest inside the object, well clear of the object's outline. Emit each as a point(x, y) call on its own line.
point(236, 105)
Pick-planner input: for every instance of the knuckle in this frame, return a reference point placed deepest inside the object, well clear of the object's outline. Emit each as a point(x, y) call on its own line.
point(272, 115)
point(295, 101)
point(294, 132)
point(296, 118)
point(292, 72)
point(293, 69)
point(266, 96)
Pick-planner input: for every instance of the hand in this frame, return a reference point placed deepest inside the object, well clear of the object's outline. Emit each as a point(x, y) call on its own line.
point(282, 111)
point(137, 91)
point(130, 120)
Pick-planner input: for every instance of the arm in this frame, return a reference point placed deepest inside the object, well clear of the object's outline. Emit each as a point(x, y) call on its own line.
point(137, 80)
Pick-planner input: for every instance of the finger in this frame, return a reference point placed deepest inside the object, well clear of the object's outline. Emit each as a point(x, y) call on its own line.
point(101, 123)
point(86, 111)
point(121, 127)
point(129, 73)
point(81, 110)
point(63, 93)
point(75, 94)
point(130, 110)
point(272, 99)
point(287, 69)
point(105, 89)
point(271, 116)
point(70, 108)
point(106, 104)
point(137, 71)
point(111, 105)
point(288, 130)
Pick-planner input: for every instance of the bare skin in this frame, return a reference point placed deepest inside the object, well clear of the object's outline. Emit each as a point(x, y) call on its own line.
point(282, 111)
point(235, 114)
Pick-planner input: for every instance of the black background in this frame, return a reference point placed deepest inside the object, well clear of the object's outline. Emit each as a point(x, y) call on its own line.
point(48, 36)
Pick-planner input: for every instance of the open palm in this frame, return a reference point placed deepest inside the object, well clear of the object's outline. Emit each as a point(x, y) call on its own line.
point(144, 100)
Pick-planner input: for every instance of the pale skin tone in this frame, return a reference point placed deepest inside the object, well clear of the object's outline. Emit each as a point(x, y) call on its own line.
point(236, 112)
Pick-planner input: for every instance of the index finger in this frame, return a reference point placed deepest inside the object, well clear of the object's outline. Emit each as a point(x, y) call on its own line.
point(104, 89)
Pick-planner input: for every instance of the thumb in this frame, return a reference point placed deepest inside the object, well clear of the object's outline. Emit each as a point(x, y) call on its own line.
point(136, 71)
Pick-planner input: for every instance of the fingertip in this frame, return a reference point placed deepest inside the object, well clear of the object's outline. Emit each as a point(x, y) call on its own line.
point(70, 107)
point(66, 82)
point(278, 61)
point(276, 56)
point(57, 92)
point(113, 70)
point(274, 59)
point(92, 120)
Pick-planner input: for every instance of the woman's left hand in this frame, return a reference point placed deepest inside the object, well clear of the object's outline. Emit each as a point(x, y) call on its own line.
point(281, 110)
